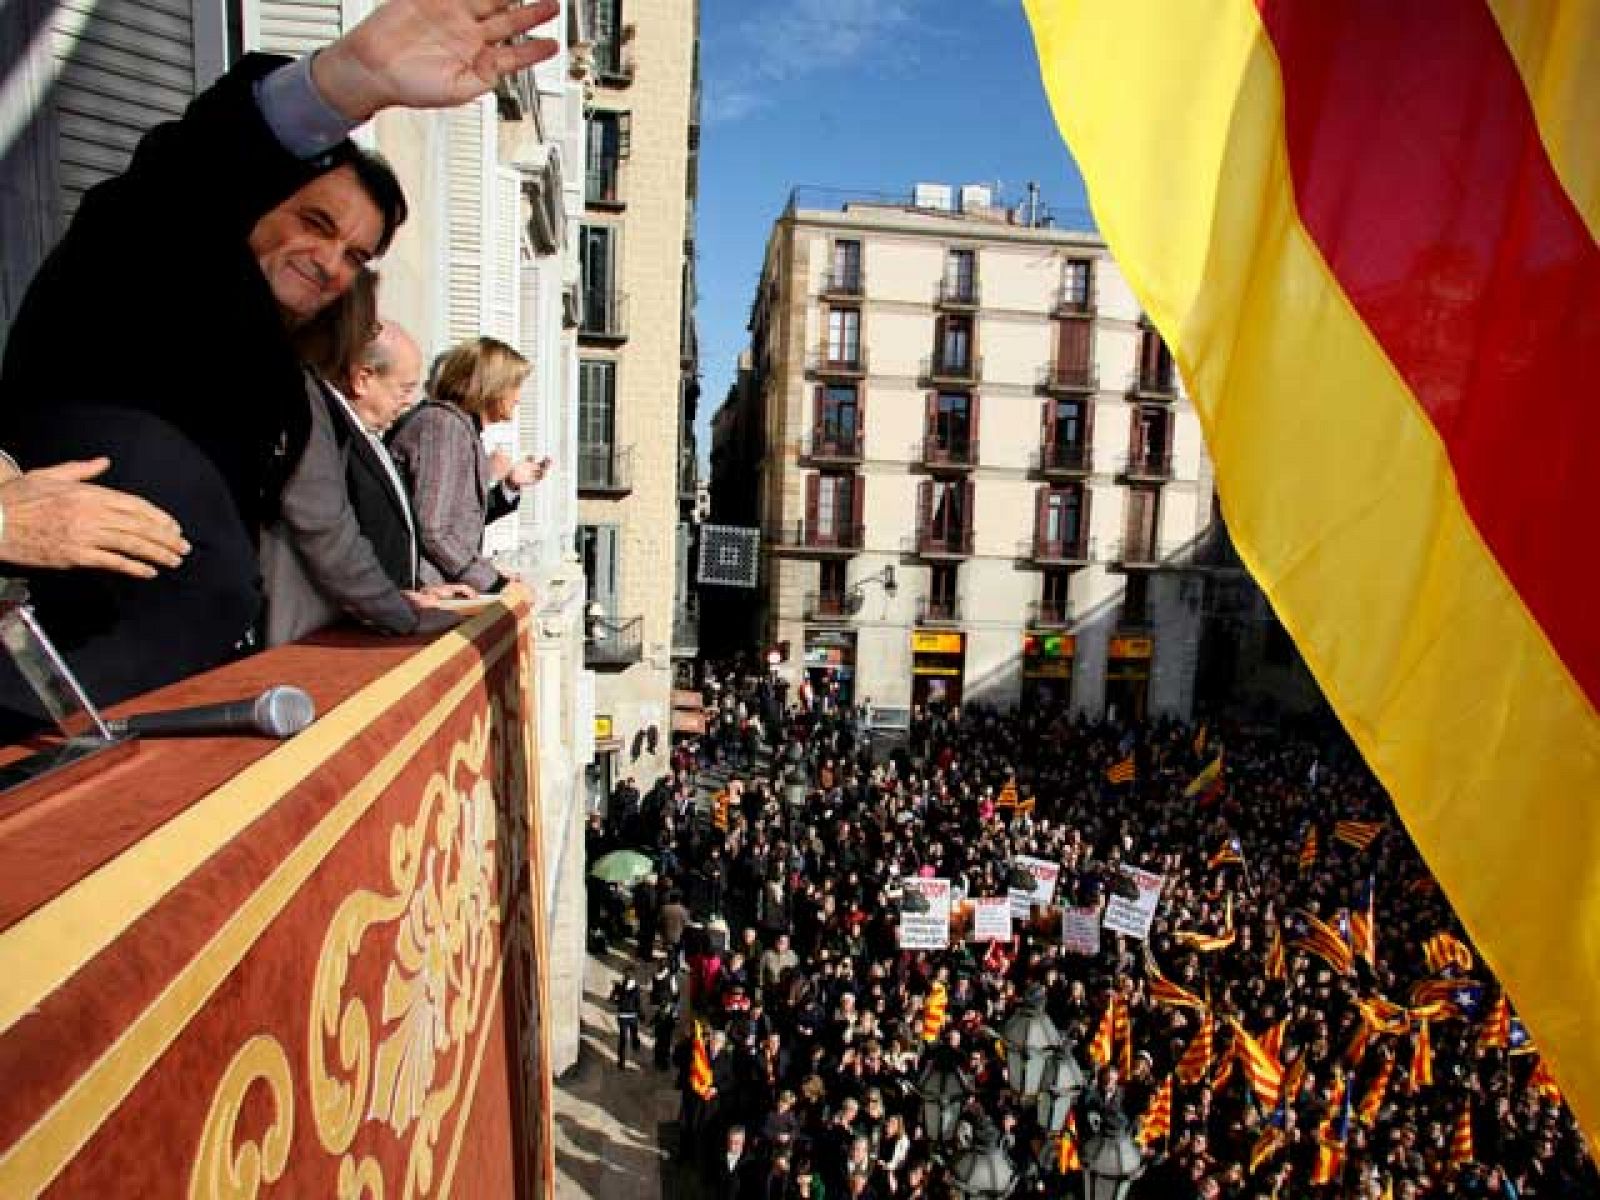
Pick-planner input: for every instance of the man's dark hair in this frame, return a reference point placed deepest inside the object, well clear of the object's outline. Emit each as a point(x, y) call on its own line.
point(381, 183)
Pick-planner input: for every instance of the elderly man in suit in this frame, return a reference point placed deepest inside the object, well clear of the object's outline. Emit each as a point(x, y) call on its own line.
point(346, 542)
point(231, 227)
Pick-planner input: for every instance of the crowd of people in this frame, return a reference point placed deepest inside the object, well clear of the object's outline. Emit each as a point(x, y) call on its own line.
point(801, 1027)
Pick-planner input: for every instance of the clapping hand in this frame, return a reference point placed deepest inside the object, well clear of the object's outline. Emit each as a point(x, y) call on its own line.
point(430, 54)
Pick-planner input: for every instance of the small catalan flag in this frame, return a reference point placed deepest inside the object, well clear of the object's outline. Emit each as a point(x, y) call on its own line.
point(1121, 772)
point(1358, 834)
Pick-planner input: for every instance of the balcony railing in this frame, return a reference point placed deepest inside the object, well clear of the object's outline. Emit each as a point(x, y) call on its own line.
point(614, 644)
point(605, 470)
point(952, 368)
point(1153, 385)
point(1074, 302)
point(932, 541)
point(613, 60)
point(603, 184)
point(605, 317)
point(844, 283)
point(939, 453)
point(1049, 551)
point(1069, 377)
point(836, 539)
point(1070, 458)
point(1138, 552)
point(831, 606)
point(933, 610)
point(848, 363)
point(1146, 466)
point(832, 446)
point(957, 293)
point(1045, 614)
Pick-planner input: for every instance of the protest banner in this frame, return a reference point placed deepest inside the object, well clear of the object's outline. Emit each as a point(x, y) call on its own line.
point(1134, 917)
point(991, 919)
point(1080, 930)
point(1044, 874)
point(925, 914)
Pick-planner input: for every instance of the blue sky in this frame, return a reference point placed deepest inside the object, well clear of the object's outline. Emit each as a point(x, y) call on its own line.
point(870, 95)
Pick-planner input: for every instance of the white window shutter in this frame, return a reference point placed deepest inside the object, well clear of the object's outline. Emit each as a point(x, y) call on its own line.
point(122, 67)
point(470, 133)
point(504, 292)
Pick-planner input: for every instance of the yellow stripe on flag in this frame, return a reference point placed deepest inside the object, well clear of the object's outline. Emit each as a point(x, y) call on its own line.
point(1174, 112)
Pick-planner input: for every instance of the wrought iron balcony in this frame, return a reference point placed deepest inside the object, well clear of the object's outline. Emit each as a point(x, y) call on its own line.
point(1043, 614)
point(845, 363)
point(1063, 460)
point(844, 284)
point(1045, 551)
point(799, 538)
point(935, 611)
point(952, 368)
point(613, 59)
point(614, 645)
point(604, 317)
point(831, 446)
point(945, 454)
point(959, 293)
point(933, 541)
point(685, 631)
point(1154, 385)
point(605, 470)
point(1146, 466)
point(1060, 377)
point(832, 606)
point(1074, 302)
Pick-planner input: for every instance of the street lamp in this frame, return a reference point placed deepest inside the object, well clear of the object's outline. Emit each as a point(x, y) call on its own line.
point(1031, 1038)
point(983, 1170)
point(1111, 1160)
point(1063, 1084)
point(943, 1090)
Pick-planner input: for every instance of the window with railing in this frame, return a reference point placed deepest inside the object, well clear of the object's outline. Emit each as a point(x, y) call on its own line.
point(960, 277)
point(953, 349)
point(844, 268)
point(1054, 597)
point(608, 147)
point(1150, 443)
point(602, 310)
point(1156, 372)
point(838, 423)
point(597, 424)
point(606, 30)
point(1061, 522)
point(1077, 282)
point(941, 604)
point(844, 336)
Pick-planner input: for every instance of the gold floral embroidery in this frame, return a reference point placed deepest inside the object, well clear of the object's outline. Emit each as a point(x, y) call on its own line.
point(222, 1173)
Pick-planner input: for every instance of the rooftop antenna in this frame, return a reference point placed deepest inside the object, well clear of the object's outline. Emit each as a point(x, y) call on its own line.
point(1033, 204)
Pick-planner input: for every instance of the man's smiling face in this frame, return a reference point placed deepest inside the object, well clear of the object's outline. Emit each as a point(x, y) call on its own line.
point(312, 245)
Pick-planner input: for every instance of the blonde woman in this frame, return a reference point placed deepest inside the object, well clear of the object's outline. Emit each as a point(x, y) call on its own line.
point(439, 449)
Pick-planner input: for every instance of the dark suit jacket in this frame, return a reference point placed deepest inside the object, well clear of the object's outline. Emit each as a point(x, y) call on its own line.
point(440, 452)
point(155, 286)
point(382, 509)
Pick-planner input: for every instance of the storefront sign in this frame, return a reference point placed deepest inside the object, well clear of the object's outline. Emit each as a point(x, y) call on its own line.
point(1131, 647)
point(936, 643)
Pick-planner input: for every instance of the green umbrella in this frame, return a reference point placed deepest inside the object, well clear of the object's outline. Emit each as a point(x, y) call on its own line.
point(623, 866)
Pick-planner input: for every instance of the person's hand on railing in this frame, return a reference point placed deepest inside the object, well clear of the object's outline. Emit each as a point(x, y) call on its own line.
point(54, 517)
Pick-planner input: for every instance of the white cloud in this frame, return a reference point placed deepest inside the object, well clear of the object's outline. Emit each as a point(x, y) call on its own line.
point(785, 41)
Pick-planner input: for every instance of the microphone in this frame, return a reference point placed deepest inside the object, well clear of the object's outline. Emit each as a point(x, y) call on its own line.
point(278, 712)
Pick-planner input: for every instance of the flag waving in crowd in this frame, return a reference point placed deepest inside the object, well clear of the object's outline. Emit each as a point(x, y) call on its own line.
point(1403, 196)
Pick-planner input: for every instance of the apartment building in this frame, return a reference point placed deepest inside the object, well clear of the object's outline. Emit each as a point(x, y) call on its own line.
point(974, 464)
point(638, 376)
point(496, 196)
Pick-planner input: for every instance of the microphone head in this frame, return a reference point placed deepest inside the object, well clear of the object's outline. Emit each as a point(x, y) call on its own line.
point(283, 711)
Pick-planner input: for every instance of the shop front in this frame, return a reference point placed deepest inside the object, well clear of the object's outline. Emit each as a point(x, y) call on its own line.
point(1128, 677)
point(1047, 668)
point(831, 664)
point(600, 775)
point(938, 662)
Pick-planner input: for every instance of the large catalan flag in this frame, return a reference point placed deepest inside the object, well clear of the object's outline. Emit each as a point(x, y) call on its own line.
point(1162, 990)
point(1260, 1068)
point(1196, 1061)
point(1368, 233)
point(934, 1011)
point(1372, 1102)
point(1444, 950)
point(1326, 943)
point(1156, 1122)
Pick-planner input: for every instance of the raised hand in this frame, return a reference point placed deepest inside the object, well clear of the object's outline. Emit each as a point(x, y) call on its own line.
point(430, 53)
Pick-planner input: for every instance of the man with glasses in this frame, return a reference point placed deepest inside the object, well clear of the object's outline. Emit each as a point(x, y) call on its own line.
point(346, 543)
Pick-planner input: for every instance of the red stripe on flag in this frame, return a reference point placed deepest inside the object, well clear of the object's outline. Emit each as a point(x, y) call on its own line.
point(1419, 171)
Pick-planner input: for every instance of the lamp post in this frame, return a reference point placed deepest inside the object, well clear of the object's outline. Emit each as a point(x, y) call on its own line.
point(943, 1091)
point(983, 1170)
point(1111, 1160)
point(1031, 1038)
point(1063, 1084)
